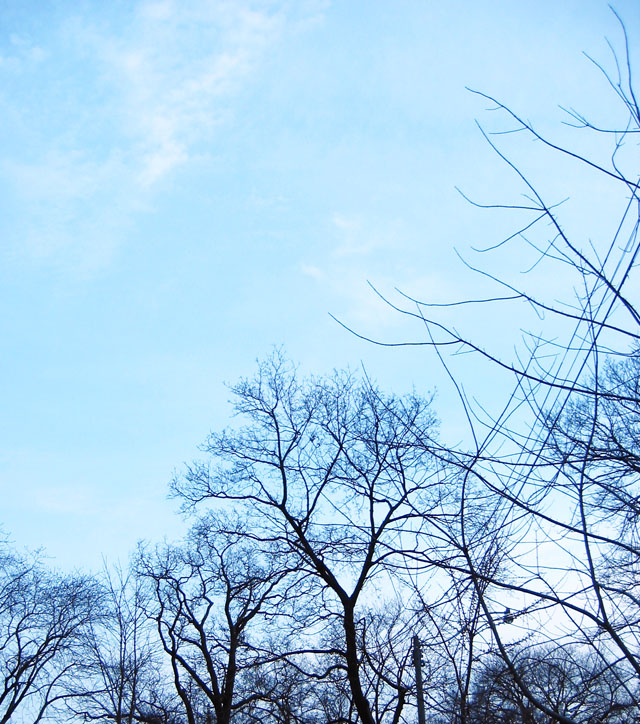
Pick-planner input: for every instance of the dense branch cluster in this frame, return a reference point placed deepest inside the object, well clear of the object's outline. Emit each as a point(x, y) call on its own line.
point(335, 526)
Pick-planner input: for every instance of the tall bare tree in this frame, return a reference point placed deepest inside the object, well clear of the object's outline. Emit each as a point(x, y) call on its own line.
point(552, 471)
point(340, 479)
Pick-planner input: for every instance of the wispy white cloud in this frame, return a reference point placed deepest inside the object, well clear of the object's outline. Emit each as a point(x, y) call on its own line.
point(357, 239)
point(153, 88)
point(367, 267)
point(75, 208)
point(175, 73)
point(312, 271)
point(350, 262)
point(66, 499)
point(22, 51)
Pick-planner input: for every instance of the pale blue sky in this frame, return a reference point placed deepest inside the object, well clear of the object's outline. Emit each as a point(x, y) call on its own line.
point(185, 184)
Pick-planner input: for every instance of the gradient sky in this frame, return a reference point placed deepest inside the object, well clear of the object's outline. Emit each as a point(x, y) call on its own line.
point(185, 184)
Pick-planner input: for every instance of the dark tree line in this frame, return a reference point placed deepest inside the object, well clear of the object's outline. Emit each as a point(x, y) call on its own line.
point(335, 524)
point(330, 534)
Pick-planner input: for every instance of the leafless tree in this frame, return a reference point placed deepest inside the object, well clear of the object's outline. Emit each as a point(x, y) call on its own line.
point(573, 682)
point(553, 470)
point(340, 479)
point(207, 598)
point(123, 679)
point(453, 642)
point(43, 617)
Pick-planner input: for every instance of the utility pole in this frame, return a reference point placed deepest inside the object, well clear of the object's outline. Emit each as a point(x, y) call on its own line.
point(417, 662)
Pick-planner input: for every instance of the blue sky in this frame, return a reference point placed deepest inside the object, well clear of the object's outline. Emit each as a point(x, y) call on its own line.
point(185, 184)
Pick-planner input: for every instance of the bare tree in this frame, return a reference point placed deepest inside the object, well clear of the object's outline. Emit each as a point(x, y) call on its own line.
point(206, 599)
point(453, 642)
point(553, 472)
point(573, 682)
point(43, 617)
point(123, 678)
point(329, 471)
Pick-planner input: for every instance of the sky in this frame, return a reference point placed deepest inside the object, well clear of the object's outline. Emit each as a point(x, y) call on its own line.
point(185, 185)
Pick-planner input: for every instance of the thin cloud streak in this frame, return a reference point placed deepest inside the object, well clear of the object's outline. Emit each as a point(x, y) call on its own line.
point(166, 80)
